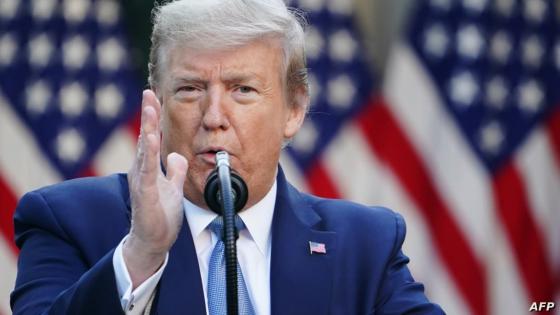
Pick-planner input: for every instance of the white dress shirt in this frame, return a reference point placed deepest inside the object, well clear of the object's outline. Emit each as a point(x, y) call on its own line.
point(253, 254)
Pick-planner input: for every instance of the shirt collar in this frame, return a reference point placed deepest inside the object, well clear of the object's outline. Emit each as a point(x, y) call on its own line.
point(257, 219)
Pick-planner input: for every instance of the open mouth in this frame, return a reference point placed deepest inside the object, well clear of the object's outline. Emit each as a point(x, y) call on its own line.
point(209, 155)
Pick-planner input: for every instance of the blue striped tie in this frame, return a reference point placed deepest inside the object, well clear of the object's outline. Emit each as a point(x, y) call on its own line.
point(217, 304)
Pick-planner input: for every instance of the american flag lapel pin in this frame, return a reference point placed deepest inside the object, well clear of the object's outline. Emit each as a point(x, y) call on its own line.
point(317, 248)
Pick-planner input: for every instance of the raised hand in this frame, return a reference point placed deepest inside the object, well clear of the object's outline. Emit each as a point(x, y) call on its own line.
point(156, 198)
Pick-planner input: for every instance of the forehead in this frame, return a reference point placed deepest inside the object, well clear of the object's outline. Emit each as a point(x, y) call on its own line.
point(259, 58)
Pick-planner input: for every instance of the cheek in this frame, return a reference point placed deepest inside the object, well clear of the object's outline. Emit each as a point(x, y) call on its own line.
point(263, 128)
point(263, 136)
point(178, 127)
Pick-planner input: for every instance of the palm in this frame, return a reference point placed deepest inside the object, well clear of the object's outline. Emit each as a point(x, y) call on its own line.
point(156, 198)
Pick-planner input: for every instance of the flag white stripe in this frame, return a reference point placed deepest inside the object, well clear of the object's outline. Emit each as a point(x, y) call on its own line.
point(507, 293)
point(21, 161)
point(536, 163)
point(117, 153)
point(357, 173)
point(292, 173)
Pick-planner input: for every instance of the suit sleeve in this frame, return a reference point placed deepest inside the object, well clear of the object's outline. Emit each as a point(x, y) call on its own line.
point(53, 275)
point(399, 292)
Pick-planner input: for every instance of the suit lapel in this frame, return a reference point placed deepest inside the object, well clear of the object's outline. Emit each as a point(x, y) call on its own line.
point(301, 282)
point(123, 178)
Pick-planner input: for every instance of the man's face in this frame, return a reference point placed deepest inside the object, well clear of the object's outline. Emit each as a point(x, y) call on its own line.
point(232, 100)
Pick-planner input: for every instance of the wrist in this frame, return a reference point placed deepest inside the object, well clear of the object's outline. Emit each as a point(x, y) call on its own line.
point(141, 261)
point(147, 247)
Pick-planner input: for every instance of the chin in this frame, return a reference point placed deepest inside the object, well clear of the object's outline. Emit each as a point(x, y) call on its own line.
point(199, 179)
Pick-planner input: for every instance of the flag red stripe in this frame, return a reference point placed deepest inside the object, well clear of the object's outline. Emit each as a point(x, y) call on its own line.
point(87, 172)
point(8, 200)
point(524, 236)
point(319, 181)
point(553, 126)
point(390, 144)
point(134, 124)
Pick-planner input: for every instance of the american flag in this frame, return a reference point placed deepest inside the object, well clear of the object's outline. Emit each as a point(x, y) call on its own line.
point(463, 137)
point(317, 248)
point(471, 103)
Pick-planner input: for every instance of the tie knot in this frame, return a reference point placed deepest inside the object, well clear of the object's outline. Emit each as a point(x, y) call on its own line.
point(217, 225)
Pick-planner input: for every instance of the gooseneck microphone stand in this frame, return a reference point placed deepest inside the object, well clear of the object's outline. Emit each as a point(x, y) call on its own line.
point(226, 193)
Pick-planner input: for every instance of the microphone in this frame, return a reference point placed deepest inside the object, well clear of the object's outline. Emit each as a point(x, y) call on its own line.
point(226, 192)
point(212, 194)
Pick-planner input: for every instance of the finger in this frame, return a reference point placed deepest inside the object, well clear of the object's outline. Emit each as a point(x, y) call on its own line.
point(149, 145)
point(144, 129)
point(151, 103)
point(150, 100)
point(151, 107)
point(140, 142)
point(177, 167)
point(154, 101)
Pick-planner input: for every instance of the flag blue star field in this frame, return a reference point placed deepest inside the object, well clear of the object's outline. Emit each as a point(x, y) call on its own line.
point(67, 77)
point(462, 137)
point(339, 77)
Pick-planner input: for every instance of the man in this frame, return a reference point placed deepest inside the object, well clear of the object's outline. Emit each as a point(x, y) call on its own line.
point(224, 75)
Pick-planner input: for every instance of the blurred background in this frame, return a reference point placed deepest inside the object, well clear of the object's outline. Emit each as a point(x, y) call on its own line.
point(446, 111)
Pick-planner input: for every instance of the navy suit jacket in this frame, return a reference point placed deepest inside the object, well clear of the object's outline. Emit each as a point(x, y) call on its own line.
point(67, 234)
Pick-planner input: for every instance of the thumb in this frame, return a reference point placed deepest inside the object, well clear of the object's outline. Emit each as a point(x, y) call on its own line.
point(177, 167)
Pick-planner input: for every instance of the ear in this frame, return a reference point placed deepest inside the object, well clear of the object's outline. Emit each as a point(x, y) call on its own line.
point(296, 113)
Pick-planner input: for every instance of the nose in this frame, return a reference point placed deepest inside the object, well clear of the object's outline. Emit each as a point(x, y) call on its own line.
point(215, 115)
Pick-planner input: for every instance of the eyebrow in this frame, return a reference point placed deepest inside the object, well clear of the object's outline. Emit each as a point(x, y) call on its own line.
point(239, 77)
point(228, 78)
point(188, 78)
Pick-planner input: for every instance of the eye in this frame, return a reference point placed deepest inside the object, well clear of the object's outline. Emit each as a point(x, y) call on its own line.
point(245, 94)
point(188, 92)
point(186, 88)
point(245, 89)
